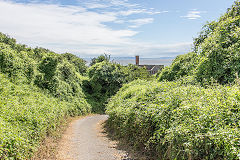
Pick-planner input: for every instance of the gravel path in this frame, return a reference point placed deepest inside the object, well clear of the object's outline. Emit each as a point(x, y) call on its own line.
point(85, 140)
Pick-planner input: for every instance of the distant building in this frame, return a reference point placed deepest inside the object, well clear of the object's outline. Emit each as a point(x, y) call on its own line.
point(151, 68)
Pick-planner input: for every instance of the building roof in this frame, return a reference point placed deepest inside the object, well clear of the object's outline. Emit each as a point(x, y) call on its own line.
point(152, 67)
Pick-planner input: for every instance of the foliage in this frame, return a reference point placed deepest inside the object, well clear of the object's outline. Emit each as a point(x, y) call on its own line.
point(134, 72)
point(173, 121)
point(182, 65)
point(59, 74)
point(220, 53)
point(12, 43)
point(206, 31)
point(47, 68)
point(216, 52)
point(38, 90)
point(79, 64)
point(100, 58)
point(105, 79)
point(27, 115)
point(15, 64)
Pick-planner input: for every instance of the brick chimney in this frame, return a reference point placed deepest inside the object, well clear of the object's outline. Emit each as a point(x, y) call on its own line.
point(137, 60)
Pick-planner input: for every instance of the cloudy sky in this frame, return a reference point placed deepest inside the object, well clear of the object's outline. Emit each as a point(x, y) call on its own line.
point(121, 28)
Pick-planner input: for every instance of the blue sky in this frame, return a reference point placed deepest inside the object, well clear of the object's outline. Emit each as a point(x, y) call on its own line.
point(122, 28)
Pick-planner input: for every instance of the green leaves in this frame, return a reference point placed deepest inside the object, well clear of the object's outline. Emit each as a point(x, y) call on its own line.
point(216, 52)
point(174, 121)
point(183, 65)
point(106, 78)
point(78, 63)
point(38, 90)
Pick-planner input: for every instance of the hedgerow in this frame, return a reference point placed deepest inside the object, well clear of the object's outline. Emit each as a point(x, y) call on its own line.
point(182, 65)
point(215, 52)
point(39, 89)
point(27, 115)
point(106, 78)
point(173, 121)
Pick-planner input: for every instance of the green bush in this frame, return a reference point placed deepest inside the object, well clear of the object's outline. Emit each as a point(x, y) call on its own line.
point(99, 59)
point(216, 52)
point(78, 63)
point(173, 121)
point(221, 53)
point(39, 89)
point(134, 72)
point(58, 74)
point(27, 115)
point(106, 78)
point(17, 65)
point(182, 65)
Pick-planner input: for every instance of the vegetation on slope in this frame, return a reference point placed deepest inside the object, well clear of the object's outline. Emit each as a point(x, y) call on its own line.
point(38, 90)
point(106, 78)
point(172, 121)
point(169, 120)
point(216, 52)
point(191, 117)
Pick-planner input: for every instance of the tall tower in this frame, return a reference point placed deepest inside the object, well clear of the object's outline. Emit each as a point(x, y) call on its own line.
point(137, 60)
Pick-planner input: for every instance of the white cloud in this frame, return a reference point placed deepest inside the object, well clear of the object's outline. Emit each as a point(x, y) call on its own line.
point(123, 3)
point(193, 14)
point(130, 12)
point(80, 31)
point(139, 22)
point(96, 5)
point(120, 21)
point(59, 24)
point(154, 50)
point(140, 11)
point(107, 4)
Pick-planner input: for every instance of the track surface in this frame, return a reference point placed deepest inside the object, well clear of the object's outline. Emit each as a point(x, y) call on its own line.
point(85, 140)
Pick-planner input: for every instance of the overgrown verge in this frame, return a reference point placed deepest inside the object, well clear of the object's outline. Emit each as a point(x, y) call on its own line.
point(105, 78)
point(39, 90)
point(27, 115)
point(191, 117)
point(168, 120)
point(215, 54)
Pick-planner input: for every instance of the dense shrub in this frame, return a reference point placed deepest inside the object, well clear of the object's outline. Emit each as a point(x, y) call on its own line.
point(59, 74)
point(13, 43)
point(78, 63)
point(17, 65)
point(182, 65)
point(39, 89)
point(105, 79)
point(221, 52)
point(134, 72)
point(99, 59)
point(173, 121)
point(216, 52)
point(27, 115)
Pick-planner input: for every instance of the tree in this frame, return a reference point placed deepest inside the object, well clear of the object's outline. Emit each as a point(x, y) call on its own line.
point(79, 64)
point(100, 58)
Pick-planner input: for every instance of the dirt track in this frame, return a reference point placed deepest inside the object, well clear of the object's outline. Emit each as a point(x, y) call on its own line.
point(85, 140)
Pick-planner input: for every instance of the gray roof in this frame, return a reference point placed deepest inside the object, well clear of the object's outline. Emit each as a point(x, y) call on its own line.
point(152, 67)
